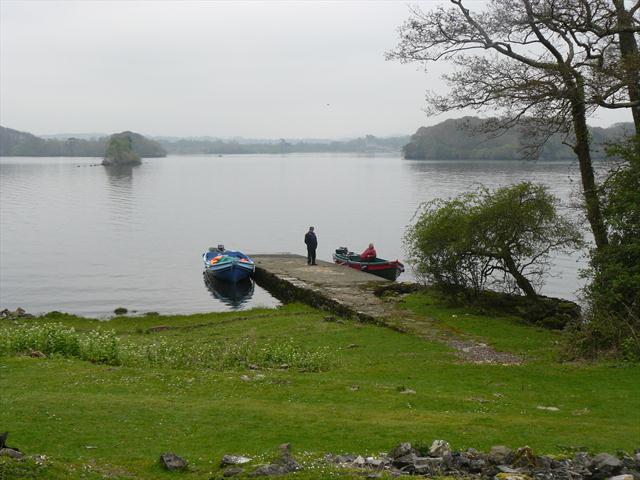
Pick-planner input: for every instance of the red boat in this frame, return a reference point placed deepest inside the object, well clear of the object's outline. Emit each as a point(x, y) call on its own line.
point(389, 269)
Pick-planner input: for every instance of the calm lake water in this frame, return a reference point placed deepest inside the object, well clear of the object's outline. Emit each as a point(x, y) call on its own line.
point(86, 239)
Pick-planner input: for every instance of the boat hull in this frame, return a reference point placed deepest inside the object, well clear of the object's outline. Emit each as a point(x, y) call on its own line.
point(389, 270)
point(234, 272)
point(228, 266)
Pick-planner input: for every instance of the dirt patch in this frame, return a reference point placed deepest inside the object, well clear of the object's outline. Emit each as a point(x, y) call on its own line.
point(475, 352)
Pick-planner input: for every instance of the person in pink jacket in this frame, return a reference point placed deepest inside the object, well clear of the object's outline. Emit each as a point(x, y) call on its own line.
point(369, 254)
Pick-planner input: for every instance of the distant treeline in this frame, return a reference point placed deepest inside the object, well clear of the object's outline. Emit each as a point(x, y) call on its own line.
point(449, 140)
point(22, 144)
point(455, 139)
point(367, 144)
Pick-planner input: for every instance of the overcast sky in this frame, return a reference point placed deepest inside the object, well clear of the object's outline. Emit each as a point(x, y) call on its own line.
point(253, 69)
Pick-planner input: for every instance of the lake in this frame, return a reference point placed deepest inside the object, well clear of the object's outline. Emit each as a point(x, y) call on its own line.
point(82, 238)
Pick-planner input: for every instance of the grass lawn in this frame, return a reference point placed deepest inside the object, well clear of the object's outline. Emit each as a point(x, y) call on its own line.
point(341, 393)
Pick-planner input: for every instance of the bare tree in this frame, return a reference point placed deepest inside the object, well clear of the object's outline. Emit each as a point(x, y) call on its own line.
point(606, 30)
point(544, 64)
point(628, 25)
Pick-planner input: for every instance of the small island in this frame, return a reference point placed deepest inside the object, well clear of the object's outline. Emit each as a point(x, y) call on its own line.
point(121, 149)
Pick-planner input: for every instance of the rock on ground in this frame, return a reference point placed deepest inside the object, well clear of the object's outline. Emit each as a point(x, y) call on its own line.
point(172, 462)
point(283, 465)
point(10, 452)
point(233, 460)
point(439, 448)
point(230, 472)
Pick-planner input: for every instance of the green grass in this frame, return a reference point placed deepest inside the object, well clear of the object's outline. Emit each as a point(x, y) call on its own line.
point(94, 419)
point(504, 333)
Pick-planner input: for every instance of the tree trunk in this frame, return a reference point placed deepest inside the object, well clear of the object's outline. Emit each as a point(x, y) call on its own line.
point(630, 59)
point(581, 148)
point(521, 280)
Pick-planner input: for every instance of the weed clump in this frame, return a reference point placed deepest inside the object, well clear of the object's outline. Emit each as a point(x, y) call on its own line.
point(106, 348)
point(57, 339)
point(227, 356)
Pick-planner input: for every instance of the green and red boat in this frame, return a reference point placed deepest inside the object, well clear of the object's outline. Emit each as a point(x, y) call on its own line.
point(389, 269)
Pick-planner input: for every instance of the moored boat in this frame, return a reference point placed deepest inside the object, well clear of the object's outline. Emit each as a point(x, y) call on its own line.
point(389, 269)
point(227, 265)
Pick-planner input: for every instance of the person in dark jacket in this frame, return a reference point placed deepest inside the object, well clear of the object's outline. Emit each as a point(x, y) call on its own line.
point(369, 254)
point(311, 241)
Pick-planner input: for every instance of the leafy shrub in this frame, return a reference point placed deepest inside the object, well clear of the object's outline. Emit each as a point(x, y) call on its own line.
point(612, 324)
point(630, 351)
point(604, 334)
point(501, 238)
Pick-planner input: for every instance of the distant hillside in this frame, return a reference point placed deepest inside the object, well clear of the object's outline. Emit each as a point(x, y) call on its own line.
point(452, 140)
point(14, 143)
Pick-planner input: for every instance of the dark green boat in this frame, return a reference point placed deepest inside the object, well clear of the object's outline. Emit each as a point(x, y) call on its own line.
point(389, 269)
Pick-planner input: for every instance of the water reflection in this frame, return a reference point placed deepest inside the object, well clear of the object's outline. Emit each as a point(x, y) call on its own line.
point(120, 190)
point(234, 295)
point(119, 173)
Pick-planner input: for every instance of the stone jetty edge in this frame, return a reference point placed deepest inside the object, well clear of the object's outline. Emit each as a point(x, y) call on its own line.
point(289, 289)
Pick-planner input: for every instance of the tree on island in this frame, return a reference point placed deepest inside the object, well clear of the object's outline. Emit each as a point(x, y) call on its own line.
point(545, 64)
point(120, 150)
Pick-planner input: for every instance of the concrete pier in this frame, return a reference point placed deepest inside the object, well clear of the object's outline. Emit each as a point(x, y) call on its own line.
point(332, 287)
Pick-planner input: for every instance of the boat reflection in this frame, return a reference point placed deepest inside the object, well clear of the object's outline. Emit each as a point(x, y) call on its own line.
point(233, 294)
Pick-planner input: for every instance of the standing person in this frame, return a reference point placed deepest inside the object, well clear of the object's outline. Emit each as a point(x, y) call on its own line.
point(312, 243)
